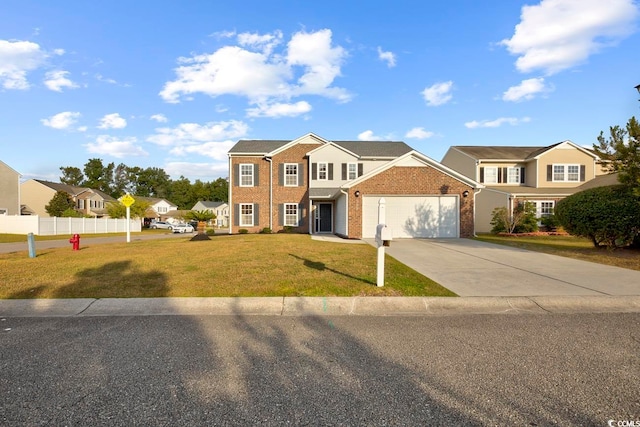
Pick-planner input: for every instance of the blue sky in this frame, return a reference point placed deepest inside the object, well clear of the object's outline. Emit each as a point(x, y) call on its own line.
point(175, 84)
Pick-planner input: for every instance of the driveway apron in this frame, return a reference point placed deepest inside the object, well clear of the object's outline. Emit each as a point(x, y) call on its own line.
point(473, 268)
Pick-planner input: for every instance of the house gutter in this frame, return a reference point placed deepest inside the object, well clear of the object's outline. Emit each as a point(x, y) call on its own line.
point(270, 191)
point(231, 213)
point(346, 223)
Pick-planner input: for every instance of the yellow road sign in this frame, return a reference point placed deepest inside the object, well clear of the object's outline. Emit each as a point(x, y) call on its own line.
point(127, 200)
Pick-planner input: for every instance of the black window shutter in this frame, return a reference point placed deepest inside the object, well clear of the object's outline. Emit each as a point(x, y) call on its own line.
point(236, 175)
point(330, 171)
point(281, 214)
point(300, 216)
point(521, 175)
point(314, 171)
point(281, 174)
point(256, 214)
point(344, 171)
point(236, 214)
point(499, 175)
point(300, 174)
point(549, 172)
point(583, 172)
point(360, 169)
point(505, 175)
point(256, 181)
point(481, 175)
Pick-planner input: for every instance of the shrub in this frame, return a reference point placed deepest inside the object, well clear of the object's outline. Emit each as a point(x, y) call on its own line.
point(523, 219)
point(243, 231)
point(210, 231)
point(265, 230)
point(609, 216)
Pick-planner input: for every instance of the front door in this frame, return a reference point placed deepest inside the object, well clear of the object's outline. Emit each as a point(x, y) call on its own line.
point(324, 218)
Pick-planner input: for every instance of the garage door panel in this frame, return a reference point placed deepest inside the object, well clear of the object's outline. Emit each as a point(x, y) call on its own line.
point(413, 216)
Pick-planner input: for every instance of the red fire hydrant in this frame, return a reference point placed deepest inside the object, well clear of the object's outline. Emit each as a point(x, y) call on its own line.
point(75, 240)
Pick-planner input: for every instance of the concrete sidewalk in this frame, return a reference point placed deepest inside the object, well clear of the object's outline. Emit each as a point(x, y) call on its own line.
point(317, 306)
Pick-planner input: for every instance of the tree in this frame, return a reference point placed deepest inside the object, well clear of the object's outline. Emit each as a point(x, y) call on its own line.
point(71, 176)
point(621, 151)
point(202, 217)
point(220, 190)
point(59, 203)
point(609, 216)
point(181, 193)
point(98, 176)
point(118, 210)
point(152, 182)
point(522, 220)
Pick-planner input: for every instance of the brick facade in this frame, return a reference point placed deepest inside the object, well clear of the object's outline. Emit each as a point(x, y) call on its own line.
point(411, 181)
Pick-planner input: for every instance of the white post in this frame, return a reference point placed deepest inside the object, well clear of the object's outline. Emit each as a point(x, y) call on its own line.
point(128, 225)
point(381, 220)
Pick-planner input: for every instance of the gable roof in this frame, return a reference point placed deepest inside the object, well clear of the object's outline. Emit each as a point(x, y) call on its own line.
point(422, 158)
point(10, 168)
point(363, 149)
point(496, 152)
point(154, 200)
point(209, 204)
point(57, 186)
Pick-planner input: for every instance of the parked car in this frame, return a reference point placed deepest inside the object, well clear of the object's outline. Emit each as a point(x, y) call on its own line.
point(161, 224)
point(182, 228)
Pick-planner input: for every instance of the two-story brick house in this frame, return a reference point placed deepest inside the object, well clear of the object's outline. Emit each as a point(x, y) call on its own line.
point(511, 175)
point(313, 185)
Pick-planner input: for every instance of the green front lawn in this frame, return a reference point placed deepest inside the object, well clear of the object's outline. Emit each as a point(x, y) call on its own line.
point(240, 265)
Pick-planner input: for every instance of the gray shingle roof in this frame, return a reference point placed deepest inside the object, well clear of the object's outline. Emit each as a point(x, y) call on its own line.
point(500, 152)
point(361, 148)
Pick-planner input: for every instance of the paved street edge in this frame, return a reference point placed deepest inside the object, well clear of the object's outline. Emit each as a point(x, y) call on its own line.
point(318, 306)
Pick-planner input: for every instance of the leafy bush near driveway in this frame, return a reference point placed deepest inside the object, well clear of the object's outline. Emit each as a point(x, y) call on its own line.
point(523, 219)
point(608, 216)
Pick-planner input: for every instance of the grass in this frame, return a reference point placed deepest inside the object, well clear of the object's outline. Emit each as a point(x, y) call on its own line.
point(571, 247)
point(240, 265)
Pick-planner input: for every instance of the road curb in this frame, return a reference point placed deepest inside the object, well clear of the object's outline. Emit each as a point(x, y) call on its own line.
point(317, 306)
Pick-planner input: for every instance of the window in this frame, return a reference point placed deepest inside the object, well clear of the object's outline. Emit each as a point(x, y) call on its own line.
point(291, 214)
point(81, 204)
point(491, 175)
point(246, 175)
point(291, 175)
point(566, 173)
point(246, 214)
point(546, 208)
point(513, 176)
point(162, 209)
point(322, 171)
point(352, 171)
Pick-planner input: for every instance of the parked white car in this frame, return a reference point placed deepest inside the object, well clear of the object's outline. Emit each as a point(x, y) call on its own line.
point(161, 224)
point(182, 228)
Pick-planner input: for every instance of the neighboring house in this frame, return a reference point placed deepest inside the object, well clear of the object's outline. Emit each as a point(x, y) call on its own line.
point(541, 175)
point(159, 209)
point(9, 190)
point(36, 194)
point(313, 185)
point(221, 209)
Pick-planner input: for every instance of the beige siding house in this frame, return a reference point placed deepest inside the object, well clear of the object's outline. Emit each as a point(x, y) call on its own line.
point(541, 175)
point(9, 190)
point(220, 209)
point(36, 194)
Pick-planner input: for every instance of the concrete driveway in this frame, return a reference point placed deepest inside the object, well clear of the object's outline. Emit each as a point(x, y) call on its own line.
point(472, 268)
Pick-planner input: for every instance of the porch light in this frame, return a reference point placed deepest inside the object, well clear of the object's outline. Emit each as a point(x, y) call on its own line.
point(357, 193)
point(465, 193)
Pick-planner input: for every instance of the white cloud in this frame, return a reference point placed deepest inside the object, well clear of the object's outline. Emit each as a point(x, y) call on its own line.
point(497, 122)
point(438, 94)
point(419, 133)
point(526, 90)
point(207, 171)
point(17, 58)
point(62, 120)
point(212, 139)
point(279, 110)
point(388, 57)
point(112, 121)
point(56, 80)
point(559, 34)
point(160, 118)
point(254, 71)
point(116, 147)
point(368, 135)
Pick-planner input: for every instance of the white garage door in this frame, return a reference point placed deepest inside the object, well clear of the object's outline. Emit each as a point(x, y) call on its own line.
point(413, 216)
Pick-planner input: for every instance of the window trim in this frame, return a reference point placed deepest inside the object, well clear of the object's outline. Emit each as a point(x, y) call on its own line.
point(495, 170)
point(565, 172)
point(286, 216)
point(350, 172)
point(241, 215)
point(286, 175)
point(241, 175)
point(518, 176)
point(326, 171)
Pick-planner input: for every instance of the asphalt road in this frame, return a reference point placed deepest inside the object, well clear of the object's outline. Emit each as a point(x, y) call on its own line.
point(524, 369)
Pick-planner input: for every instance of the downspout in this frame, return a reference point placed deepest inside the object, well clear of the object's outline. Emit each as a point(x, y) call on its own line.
point(270, 192)
point(231, 213)
point(346, 223)
point(312, 212)
point(474, 211)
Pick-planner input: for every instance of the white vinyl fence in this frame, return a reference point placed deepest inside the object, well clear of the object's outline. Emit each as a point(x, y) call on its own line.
point(25, 224)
